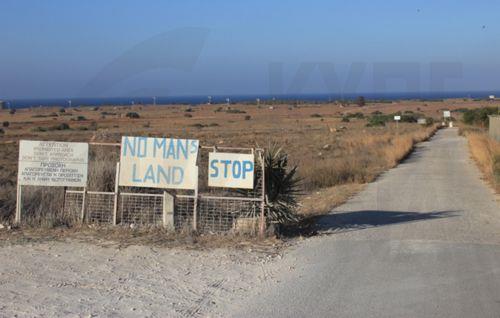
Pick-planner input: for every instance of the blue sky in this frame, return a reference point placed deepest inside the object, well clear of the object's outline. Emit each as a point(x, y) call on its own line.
point(74, 48)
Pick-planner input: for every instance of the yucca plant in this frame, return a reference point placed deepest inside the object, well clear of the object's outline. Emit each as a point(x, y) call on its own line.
point(282, 186)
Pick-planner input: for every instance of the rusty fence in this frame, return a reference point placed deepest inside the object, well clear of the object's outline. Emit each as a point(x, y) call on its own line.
point(206, 209)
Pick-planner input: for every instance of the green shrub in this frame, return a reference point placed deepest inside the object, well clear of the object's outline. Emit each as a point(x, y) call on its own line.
point(132, 115)
point(316, 115)
point(61, 126)
point(6, 124)
point(39, 129)
point(345, 119)
point(479, 116)
point(248, 117)
point(235, 111)
point(282, 186)
point(376, 121)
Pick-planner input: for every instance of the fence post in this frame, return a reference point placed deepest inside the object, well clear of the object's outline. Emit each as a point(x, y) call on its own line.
point(168, 211)
point(262, 225)
point(84, 197)
point(19, 203)
point(117, 182)
point(195, 204)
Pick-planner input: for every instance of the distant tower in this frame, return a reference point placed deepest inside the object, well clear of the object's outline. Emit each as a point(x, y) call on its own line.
point(3, 105)
point(228, 101)
point(209, 100)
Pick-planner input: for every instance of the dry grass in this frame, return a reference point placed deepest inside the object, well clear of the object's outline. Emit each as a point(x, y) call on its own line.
point(120, 237)
point(329, 152)
point(486, 153)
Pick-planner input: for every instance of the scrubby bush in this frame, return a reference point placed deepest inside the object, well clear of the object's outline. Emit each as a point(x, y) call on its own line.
point(376, 121)
point(345, 119)
point(61, 126)
point(6, 124)
point(316, 115)
point(248, 117)
point(132, 115)
point(235, 111)
point(2, 131)
point(479, 116)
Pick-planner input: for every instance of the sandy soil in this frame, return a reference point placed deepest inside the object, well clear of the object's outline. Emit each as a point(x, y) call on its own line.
point(74, 279)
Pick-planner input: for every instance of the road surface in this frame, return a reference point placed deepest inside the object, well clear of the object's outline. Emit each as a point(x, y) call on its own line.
point(422, 241)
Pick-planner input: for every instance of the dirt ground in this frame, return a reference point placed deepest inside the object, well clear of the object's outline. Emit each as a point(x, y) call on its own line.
point(74, 279)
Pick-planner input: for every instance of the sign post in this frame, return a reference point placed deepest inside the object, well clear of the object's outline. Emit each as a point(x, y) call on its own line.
point(397, 118)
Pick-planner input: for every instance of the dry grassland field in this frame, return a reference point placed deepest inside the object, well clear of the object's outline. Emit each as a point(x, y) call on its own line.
point(330, 143)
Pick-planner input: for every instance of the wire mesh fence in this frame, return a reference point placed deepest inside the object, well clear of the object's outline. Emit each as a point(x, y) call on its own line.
point(206, 209)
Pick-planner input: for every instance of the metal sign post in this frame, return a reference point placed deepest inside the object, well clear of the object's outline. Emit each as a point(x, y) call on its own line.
point(397, 118)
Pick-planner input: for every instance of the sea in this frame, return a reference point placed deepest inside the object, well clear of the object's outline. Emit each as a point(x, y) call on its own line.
point(219, 99)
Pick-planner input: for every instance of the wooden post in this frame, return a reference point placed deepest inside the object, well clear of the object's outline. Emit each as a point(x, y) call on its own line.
point(19, 203)
point(64, 202)
point(117, 182)
point(195, 204)
point(262, 227)
point(84, 197)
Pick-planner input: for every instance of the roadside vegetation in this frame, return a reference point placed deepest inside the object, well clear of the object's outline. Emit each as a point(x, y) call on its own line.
point(486, 153)
point(484, 150)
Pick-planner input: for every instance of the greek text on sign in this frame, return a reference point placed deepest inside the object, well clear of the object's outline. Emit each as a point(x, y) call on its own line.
point(397, 118)
point(165, 163)
point(230, 170)
point(53, 163)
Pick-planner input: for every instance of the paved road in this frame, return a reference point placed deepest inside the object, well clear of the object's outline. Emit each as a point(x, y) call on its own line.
point(422, 241)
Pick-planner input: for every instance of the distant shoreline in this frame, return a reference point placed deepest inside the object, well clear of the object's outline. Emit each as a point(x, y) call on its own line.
point(221, 99)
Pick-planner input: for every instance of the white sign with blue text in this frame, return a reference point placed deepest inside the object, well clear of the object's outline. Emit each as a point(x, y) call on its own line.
point(230, 170)
point(165, 163)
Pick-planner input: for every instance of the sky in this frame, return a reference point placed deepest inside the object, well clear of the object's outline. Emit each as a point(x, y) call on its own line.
point(74, 48)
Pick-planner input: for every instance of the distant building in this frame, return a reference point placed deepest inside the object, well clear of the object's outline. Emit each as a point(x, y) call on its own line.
point(422, 121)
point(3, 105)
point(492, 97)
point(495, 127)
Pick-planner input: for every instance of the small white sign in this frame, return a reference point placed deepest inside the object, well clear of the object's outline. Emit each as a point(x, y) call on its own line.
point(165, 163)
point(53, 163)
point(446, 114)
point(231, 170)
point(397, 118)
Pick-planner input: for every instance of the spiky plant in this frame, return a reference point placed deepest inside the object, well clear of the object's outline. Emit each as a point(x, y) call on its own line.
point(282, 186)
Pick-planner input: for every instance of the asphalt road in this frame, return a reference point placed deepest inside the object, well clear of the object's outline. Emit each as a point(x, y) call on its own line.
point(422, 241)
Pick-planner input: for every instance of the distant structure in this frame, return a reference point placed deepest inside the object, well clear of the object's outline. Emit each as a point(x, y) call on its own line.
point(495, 127)
point(3, 105)
point(492, 97)
point(422, 121)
